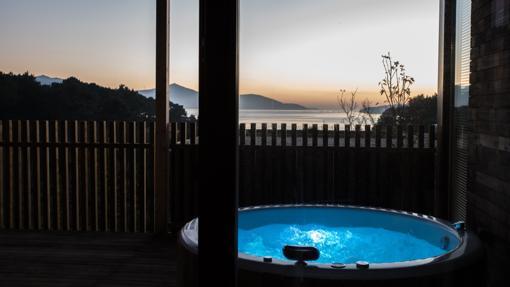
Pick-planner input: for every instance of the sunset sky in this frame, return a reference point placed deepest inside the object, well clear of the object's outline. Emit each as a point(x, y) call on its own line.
point(300, 51)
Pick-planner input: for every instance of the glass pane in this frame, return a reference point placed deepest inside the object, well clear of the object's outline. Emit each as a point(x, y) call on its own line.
point(184, 28)
point(296, 56)
point(108, 43)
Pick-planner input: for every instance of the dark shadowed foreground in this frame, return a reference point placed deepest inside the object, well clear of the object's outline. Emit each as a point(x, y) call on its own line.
point(86, 259)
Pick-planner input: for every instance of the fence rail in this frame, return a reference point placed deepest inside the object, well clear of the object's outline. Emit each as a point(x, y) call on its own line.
point(357, 137)
point(99, 176)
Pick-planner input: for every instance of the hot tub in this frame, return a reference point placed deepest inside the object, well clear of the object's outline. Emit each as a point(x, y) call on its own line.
point(357, 246)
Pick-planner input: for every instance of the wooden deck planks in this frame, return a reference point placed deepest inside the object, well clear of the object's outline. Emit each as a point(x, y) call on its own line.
point(86, 259)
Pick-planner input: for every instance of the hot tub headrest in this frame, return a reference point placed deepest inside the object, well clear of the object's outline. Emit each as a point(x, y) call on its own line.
point(301, 253)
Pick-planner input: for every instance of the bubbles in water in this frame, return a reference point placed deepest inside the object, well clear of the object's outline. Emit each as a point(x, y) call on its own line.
point(337, 244)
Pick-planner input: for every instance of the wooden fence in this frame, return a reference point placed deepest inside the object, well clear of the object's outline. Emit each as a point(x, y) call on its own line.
point(99, 176)
point(77, 176)
point(390, 167)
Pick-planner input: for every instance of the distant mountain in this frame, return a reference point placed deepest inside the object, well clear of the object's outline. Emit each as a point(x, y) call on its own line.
point(48, 81)
point(189, 99)
point(181, 95)
point(258, 102)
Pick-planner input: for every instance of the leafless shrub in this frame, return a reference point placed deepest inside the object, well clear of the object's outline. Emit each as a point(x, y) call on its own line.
point(396, 85)
point(350, 106)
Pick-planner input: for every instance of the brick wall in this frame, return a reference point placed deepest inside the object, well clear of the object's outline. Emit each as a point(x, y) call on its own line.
point(489, 155)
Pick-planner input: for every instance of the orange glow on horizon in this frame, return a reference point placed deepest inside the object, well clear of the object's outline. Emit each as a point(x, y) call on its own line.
point(334, 45)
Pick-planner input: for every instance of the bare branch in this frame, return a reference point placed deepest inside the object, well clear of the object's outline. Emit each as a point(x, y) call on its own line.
point(396, 85)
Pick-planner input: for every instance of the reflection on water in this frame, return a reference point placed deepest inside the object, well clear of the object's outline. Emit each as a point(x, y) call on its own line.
point(289, 117)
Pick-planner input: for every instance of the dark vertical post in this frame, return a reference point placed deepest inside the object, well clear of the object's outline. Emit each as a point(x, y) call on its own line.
point(389, 136)
point(294, 135)
point(421, 137)
point(378, 136)
point(368, 138)
point(242, 134)
point(337, 135)
point(325, 135)
point(357, 136)
point(253, 134)
point(347, 137)
point(274, 134)
point(193, 133)
point(162, 115)
point(305, 135)
point(283, 135)
point(218, 103)
point(400, 136)
point(315, 134)
point(264, 135)
point(444, 109)
point(182, 133)
point(410, 136)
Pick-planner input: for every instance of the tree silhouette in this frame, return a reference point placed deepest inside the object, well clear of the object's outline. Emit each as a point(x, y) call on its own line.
point(22, 97)
point(420, 110)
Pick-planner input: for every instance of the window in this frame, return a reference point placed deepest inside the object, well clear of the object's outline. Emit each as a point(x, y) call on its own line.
point(461, 126)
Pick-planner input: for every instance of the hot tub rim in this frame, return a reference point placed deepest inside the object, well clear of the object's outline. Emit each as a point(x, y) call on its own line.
point(468, 251)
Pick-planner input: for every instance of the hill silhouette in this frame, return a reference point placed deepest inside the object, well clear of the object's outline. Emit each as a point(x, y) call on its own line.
point(24, 97)
point(258, 102)
point(189, 99)
point(186, 97)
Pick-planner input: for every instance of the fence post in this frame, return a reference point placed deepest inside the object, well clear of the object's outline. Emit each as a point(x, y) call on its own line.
point(284, 135)
point(400, 137)
point(274, 134)
point(242, 135)
point(357, 136)
point(264, 135)
point(337, 135)
point(410, 137)
point(294, 135)
point(368, 139)
point(378, 136)
point(253, 134)
point(389, 137)
point(325, 135)
point(315, 134)
point(305, 135)
point(347, 135)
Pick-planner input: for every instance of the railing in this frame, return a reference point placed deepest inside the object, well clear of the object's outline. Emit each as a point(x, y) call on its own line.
point(77, 176)
point(390, 167)
point(99, 176)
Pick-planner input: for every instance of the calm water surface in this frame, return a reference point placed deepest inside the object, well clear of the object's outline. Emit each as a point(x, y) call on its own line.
point(289, 117)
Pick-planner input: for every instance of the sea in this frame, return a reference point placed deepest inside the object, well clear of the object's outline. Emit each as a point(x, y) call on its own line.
point(289, 117)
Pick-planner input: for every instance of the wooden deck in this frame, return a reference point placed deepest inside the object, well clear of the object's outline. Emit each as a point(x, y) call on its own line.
point(86, 259)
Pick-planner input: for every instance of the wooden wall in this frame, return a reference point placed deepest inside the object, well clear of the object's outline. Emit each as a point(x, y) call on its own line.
point(489, 154)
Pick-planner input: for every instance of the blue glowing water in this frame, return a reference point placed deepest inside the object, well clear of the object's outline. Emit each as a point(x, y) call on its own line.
point(337, 244)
